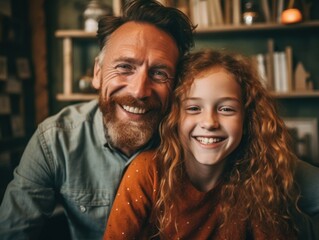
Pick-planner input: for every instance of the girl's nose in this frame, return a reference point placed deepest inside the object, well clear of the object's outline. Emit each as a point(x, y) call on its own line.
point(209, 122)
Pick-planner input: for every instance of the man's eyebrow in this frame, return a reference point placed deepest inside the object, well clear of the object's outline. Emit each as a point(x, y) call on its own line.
point(127, 60)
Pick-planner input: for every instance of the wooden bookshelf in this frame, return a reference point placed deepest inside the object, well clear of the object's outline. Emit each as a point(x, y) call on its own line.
point(71, 35)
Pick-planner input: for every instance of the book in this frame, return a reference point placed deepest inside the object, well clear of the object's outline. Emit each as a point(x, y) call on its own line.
point(260, 62)
point(228, 11)
point(284, 83)
point(270, 63)
point(236, 12)
point(277, 74)
point(266, 10)
point(289, 66)
point(218, 11)
point(117, 6)
point(280, 8)
point(203, 13)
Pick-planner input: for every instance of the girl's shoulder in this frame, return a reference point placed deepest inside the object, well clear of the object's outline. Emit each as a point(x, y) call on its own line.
point(144, 161)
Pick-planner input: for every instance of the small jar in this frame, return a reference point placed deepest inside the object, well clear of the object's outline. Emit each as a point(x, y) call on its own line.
point(91, 14)
point(250, 13)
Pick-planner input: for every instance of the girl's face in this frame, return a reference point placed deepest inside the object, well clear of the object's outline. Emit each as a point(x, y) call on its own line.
point(212, 115)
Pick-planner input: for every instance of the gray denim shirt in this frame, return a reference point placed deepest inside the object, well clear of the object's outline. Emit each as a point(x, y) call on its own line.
point(67, 160)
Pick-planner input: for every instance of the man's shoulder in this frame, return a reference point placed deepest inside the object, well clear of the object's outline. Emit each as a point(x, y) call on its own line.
point(71, 116)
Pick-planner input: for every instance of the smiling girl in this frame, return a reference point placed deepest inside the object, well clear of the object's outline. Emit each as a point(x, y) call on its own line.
point(224, 169)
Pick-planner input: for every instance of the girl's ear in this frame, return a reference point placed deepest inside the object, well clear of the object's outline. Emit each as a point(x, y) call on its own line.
point(96, 82)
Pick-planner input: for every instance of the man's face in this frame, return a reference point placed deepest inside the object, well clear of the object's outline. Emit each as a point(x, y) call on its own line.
point(131, 101)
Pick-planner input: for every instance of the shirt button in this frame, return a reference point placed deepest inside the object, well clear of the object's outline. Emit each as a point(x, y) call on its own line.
point(82, 208)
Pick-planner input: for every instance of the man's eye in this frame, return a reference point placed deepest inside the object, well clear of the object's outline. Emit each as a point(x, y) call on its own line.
point(125, 68)
point(159, 76)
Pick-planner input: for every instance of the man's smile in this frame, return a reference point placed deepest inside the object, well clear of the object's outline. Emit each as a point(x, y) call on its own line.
point(134, 110)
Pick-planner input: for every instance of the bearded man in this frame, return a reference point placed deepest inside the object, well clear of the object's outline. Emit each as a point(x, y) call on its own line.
point(77, 156)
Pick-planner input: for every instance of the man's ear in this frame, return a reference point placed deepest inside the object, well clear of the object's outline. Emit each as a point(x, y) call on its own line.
point(96, 81)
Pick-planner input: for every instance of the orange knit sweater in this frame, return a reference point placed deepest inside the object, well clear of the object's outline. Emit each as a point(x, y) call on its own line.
point(197, 217)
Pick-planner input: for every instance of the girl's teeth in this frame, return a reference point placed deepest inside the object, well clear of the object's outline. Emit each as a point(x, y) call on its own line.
point(205, 140)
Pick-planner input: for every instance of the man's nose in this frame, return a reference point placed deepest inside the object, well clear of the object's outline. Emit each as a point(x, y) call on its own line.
point(141, 85)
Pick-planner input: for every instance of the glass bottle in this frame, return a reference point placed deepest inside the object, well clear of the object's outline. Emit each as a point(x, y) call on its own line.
point(250, 12)
point(92, 12)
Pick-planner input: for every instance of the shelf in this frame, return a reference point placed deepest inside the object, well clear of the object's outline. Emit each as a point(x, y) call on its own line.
point(75, 33)
point(258, 27)
point(306, 94)
point(85, 97)
point(76, 97)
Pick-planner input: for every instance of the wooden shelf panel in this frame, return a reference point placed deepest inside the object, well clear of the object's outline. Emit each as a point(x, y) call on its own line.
point(74, 33)
point(258, 27)
point(85, 97)
point(76, 97)
point(306, 94)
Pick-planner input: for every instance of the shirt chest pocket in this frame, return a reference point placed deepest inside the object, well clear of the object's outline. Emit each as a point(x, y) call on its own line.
point(90, 206)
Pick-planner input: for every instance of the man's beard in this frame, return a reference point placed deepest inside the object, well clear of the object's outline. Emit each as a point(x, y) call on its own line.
point(132, 135)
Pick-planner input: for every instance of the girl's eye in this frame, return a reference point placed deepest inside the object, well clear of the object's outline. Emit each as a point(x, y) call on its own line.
point(125, 68)
point(227, 110)
point(193, 109)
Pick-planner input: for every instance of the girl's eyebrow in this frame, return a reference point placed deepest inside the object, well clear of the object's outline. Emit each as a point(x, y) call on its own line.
point(220, 99)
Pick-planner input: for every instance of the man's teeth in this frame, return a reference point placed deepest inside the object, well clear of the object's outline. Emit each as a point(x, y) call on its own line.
point(205, 140)
point(134, 109)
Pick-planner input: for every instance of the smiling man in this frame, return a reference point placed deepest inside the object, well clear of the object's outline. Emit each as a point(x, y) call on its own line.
point(77, 156)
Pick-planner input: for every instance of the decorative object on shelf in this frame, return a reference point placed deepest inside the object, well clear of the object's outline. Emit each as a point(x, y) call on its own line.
point(250, 13)
point(306, 8)
point(23, 68)
point(291, 15)
point(301, 79)
point(5, 104)
point(93, 11)
point(3, 68)
point(304, 132)
point(85, 83)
